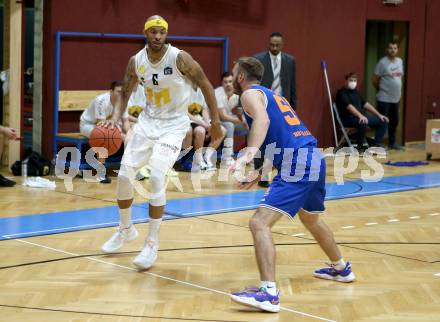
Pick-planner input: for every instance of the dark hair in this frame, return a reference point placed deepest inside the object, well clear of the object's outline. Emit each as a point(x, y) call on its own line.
point(350, 75)
point(393, 42)
point(276, 34)
point(115, 84)
point(225, 74)
point(252, 67)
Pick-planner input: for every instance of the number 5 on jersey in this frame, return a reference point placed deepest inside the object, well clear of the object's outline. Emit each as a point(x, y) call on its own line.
point(285, 108)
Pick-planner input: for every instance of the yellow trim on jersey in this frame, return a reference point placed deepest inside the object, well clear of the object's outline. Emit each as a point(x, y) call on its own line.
point(156, 23)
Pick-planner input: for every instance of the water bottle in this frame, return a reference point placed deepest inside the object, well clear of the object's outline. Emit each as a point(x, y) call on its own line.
point(53, 165)
point(24, 169)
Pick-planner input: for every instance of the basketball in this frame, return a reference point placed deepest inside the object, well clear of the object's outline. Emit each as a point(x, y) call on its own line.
point(107, 138)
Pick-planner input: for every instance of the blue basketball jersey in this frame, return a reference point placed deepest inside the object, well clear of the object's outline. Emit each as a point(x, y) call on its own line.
point(285, 130)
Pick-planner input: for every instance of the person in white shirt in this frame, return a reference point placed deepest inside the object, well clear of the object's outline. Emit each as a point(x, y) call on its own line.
point(99, 110)
point(199, 133)
point(230, 113)
point(387, 79)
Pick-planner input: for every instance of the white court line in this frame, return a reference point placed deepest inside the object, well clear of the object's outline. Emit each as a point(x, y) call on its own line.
point(298, 235)
point(162, 277)
point(370, 223)
point(438, 274)
point(393, 220)
point(348, 227)
point(435, 214)
point(414, 217)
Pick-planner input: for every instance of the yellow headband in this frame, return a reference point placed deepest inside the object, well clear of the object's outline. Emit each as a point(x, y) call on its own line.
point(156, 23)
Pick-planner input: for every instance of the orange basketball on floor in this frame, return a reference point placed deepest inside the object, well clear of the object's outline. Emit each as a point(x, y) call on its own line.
point(107, 138)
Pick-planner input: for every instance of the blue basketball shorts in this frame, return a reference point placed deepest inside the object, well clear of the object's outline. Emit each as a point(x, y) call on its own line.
point(299, 184)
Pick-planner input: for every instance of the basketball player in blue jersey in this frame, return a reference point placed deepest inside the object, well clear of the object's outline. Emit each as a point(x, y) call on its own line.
point(299, 186)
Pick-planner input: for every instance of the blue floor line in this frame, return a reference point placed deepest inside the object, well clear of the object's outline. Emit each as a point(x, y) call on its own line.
point(249, 200)
point(75, 220)
point(67, 221)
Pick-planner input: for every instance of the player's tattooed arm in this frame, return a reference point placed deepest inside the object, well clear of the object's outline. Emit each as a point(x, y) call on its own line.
point(194, 72)
point(128, 85)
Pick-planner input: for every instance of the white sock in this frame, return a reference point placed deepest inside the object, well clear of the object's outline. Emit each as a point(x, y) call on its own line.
point(228, 148)
point(339, 265)
point(270, 287)
point(208, 156)
point(154, 228)
point(125, 217)
point(198, 158)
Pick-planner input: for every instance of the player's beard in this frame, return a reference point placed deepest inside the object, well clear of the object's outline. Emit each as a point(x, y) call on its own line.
point(155, 47)
point(237, 87)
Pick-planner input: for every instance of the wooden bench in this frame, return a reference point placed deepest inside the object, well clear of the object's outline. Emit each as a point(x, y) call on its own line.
point(76, 100)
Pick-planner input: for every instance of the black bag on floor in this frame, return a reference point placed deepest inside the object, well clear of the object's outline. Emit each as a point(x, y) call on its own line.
point(36, 165)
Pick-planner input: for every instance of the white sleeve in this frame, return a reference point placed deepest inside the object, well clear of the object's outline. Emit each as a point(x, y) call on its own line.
point(219, 98)
point(99, 106)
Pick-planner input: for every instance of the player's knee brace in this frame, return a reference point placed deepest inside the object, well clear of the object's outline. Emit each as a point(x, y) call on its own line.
point(157, 187)
point(157, 183)
point(126, 177)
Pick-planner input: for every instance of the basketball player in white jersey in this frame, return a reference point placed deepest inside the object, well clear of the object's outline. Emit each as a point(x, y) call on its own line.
point(166, 74)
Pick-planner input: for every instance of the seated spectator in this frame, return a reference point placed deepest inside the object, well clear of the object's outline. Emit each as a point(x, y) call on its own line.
point(353, 110)
point(6, 133)
point(231, 115)
point(198, 135)
point(99, 110)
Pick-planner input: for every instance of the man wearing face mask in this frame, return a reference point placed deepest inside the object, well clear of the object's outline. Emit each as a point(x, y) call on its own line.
point(353, 112)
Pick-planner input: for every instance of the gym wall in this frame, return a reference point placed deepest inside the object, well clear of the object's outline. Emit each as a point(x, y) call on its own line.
point(313, 30)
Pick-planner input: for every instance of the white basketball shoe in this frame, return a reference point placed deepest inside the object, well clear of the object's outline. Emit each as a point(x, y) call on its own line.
point(118, 239)
point(148, 255)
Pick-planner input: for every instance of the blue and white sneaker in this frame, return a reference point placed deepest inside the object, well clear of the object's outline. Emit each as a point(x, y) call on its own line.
point(330, 273)
point(259, 298)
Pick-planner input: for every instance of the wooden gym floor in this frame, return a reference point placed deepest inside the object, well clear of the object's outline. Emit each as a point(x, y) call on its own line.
point(392, 241)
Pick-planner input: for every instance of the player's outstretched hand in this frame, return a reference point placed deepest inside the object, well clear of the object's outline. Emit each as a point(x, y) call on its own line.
point(109, 124)
point(252, 177)
point(10, 133)
point(106, 123)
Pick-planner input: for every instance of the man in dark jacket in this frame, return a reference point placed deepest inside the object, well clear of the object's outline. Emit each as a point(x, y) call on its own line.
point(280, 76)
point(279, 69)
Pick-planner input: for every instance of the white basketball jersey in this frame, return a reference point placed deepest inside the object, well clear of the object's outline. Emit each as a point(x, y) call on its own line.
point(166, 89)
